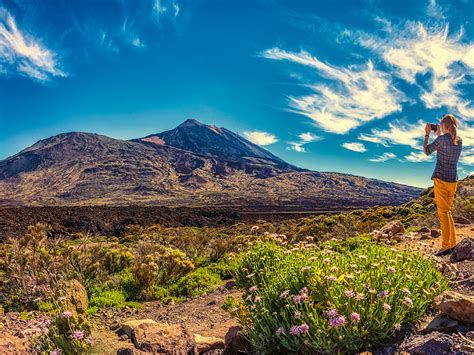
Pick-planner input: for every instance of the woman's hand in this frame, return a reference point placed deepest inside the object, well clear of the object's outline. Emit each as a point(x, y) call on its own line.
point(428, 128)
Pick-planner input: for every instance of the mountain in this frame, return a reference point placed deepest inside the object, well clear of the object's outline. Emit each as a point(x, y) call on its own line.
point(192, 165)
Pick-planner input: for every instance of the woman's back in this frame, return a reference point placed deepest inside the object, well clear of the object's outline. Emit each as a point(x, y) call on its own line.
point(447, 157)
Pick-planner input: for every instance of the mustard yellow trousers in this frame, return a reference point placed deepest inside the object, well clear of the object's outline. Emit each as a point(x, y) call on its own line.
point(444, 197)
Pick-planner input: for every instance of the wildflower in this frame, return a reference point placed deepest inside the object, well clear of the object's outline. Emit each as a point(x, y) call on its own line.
point(387, 307)
point(78, 334)
point(303, 328)
point(304, 290)
point(359, 297)
point(62, 298)
point(372, 290)
point(387, 282)
point(376, 265)
point(305, 268)
point(252, 307)
point(358, 272)
point(294, 330)
point(331, 313)
point(383, 294)
point(364, 257)
point(248, 298)
point(337, 322)
point(297, 315)
point(331, 278)
point(327, 251)
point(349, 276)
point(408, 301)
point(284, 294)
point(255, 228)
point(89, 340)
point(391, 269)
point(55, 352)
point(349, 293)
point(406, 291)
point(354, 266)
point(326, 260)
point(249, 276)
point(66, 314)
point(257, 299)
point(355, 317)
point(393, 262)
point(397, 326)
point(334, 269)
point(313, 258)
point(309, 238)
point(300, 298)
point(280, 331)
point(409, 277)
point(253, 289)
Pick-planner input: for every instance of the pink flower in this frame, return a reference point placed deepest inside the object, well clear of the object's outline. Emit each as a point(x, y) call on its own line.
point(359, 296)
point(257, 299)
point(253, 289)
point(312, 258)
point(398, 326)
point(326, 260)
point(309, 238)
point(406, 291)
point(305, 268)
point(297, 315)
point(383, 294)
point(304, 328)
point(280, 331)
point(66, 314)
point(300, 298)
point(252, 307)
point(284, 294)
point(331, 278)
point(364, 257)
point(78, 334)
point(294, 330)
point(386, 307)
point(334, 269)
point(55, 352)
point(331, 313)
point(354, 266)
point(393, 262)
point(249, 276)
point(391, 269)
point(355, 317)
point(408, 301)
point(349, 293)
point(89, 340)
point(337, 322)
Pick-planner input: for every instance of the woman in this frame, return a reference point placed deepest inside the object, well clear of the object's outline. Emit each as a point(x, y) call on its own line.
point(448, 148)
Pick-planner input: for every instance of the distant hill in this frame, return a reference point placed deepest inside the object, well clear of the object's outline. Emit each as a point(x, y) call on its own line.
point(192, 165)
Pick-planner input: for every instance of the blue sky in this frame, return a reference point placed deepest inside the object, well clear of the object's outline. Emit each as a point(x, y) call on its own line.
point(327, 85)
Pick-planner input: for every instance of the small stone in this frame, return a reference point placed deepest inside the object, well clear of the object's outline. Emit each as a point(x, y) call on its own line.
point(441, 323)
point(393, 228)
point(114, 326)
point(128, 326)
point(163, 338)
point(434, 343)
point(211, 302)
point(424, 230)
point(123, 337)
point(230, 284)
point(435, 233)
point(463, 250)
point(204, 344)
point(456, 305)
point(234, 343)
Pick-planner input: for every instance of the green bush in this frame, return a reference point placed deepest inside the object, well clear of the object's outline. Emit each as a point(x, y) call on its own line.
point(112, 298)
point(349, 296)
point(199, 282)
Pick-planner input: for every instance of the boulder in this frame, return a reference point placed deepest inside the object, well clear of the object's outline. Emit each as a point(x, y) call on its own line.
point(456, 305)
point(204, 344)
point(463, 250)
point(235, 343)
point(128, 326)
point(424, 230)
point(393, 228)
point(441, 323)
point(435, 233)
point(10, 344)
point(76, 297)
point(163, 338)
point(230, 284)
point(434, 343)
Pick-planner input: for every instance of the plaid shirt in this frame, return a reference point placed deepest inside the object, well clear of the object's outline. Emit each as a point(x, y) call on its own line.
point(446, 158)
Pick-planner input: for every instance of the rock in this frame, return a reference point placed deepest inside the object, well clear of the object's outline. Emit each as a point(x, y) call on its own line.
point(435, 233)
point(128, 326)
point(114, 326)
point(163, 338)
point(204, 344)
point(393, 228)
point(123, 337)
point(456, 305)
point(230, 284)
point(461, 220)
point(424, 230)
point(441, 323)
point(129, 351)
point(234, 342)
point(463, 250)
point(76, 297)
point(10, 344)
point(434, 343)
point(211, 302)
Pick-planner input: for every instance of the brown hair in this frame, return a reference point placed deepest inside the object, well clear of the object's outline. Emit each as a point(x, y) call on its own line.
point(451, 125)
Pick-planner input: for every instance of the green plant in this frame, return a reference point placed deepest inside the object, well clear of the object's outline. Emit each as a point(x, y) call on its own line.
point(111, 298)
point(348, 296)
point(199, 282)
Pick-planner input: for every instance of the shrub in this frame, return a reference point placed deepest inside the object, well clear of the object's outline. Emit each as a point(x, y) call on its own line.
point(349, 296)
point(112, 298)
point(199, 282)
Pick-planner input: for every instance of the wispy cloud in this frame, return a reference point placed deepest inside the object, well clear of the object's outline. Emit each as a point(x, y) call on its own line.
point(136, 42)
point(305, 138)
point(372, 139)
point(260, 138)
point(356, 147)
point(383, 157)
point(434, 10)
point(356, 94)
point(418, 157)
point(23, 54)
point(415, 49)
point(397, 133)
point(166, 7)
point(467, 157)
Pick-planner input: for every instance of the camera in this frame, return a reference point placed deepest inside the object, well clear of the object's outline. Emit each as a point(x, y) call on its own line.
point(434, 127)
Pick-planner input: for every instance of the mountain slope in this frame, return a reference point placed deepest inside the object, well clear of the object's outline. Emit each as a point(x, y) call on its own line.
point(192, 165)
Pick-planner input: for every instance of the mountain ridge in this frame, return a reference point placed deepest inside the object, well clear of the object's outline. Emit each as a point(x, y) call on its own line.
point(193, 164)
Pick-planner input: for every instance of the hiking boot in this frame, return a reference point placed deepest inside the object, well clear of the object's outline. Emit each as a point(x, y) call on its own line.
point(443, 252)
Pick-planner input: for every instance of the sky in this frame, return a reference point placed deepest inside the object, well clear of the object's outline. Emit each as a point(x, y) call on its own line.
point(329, 85)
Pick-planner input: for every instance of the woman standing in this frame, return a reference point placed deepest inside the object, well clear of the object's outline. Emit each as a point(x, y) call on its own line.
point(448, 148)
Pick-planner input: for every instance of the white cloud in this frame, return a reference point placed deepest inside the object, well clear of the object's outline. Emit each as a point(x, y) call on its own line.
point(260, 138)
point(417, 157)
point(372, 139)
point(415, 49)
point(136, 42)
point(356, 95)
point(24, 55)
point(356, 147)
point(468, 159)
point(383, 157)
point(398, 133)
point(434, 10)
point(164, 7)
point(305, 138)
